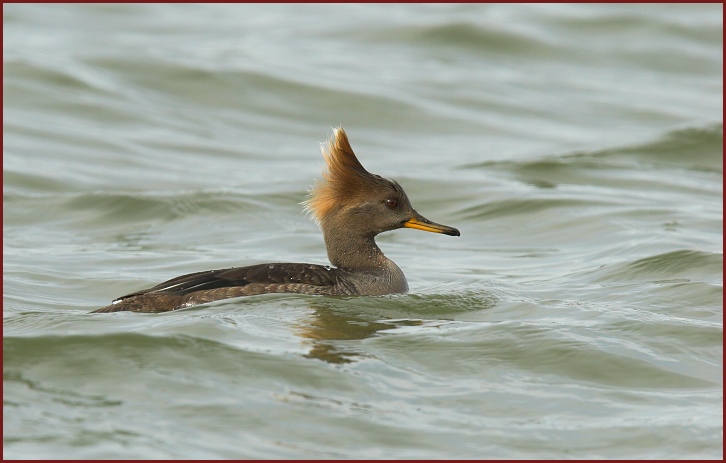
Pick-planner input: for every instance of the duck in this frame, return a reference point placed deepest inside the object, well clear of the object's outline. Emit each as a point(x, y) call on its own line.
point(351, 206)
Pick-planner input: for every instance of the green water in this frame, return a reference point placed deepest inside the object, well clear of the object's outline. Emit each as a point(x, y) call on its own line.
point(578, 149)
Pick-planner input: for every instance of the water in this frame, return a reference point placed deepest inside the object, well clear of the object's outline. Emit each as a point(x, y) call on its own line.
point(578, 148)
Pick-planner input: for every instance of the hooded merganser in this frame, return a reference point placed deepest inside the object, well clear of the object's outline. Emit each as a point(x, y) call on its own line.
point(351, 206)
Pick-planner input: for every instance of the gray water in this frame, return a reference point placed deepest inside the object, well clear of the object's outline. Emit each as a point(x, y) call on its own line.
point(578, 148)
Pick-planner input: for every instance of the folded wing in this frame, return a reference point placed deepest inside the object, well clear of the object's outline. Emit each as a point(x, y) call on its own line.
point(212, 285)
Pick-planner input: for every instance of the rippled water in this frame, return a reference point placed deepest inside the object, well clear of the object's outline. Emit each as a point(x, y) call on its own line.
point(578, 148)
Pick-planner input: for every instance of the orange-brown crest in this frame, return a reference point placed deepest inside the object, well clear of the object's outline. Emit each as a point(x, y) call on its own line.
point(343, 177)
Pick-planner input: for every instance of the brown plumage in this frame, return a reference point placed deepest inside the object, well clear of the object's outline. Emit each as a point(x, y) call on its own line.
point(344, 178)
point(352, 206)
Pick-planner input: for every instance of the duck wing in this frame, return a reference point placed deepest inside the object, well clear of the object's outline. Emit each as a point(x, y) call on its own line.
point(212, 285)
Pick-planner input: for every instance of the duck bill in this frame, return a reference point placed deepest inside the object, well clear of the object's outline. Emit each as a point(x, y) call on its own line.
point(420, 222)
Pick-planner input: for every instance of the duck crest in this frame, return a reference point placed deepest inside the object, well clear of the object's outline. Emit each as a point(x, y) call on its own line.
point(343, 177)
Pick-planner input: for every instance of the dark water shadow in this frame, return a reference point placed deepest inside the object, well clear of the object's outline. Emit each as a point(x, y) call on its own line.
point(327, 326)
point(337, 320)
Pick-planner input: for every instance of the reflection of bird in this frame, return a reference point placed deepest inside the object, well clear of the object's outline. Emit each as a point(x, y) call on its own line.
point(351, 206)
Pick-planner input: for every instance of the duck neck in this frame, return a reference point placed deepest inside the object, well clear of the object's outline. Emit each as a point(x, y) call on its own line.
point(369, 271)
point(352, 251)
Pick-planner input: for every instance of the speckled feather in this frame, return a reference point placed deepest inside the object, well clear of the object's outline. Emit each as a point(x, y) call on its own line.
point(213, 285)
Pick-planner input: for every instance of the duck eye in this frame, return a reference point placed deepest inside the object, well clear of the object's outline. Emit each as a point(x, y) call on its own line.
point(391, 203)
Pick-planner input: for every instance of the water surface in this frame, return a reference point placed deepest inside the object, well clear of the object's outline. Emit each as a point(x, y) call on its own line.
point(578, 148)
